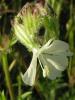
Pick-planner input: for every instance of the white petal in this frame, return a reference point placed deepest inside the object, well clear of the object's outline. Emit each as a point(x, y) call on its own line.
point(44, 66)
point(29, 76)
point(48, 69)
point(54, 73)
point(44, 47)
point(60, 62)
point(48, 43)
point(68, 53)
point(57, 47)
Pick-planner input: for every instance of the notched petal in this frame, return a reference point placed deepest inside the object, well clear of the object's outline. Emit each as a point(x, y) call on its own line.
point(54, 73)
point(60, 62)
point(57, 47)
point(49, 70)
point(30, 75)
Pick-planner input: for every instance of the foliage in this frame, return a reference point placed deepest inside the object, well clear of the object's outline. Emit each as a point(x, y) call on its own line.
point(15, 58)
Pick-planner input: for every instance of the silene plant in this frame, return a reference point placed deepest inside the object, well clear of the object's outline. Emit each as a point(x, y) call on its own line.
point(52, 54)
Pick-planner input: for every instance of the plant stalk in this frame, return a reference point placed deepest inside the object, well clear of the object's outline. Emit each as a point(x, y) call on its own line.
point(7, 75)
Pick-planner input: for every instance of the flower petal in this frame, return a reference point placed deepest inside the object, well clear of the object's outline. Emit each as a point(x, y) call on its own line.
point(54, 73)
point(60, 62)
point(48, 69)
point(67, 53)
point(57, 47)
point(29, 76)
point(44, 47)
point(43, 65)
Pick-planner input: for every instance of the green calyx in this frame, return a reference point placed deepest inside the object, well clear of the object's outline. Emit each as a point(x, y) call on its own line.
point(28, 23)
point(26, 27)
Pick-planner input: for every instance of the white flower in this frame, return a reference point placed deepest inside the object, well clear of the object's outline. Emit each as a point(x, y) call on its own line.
point(52, 58)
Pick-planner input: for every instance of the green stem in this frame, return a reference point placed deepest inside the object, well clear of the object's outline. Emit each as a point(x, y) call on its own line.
point(7, 75)
point(69, 68)
point(71, 31)
point(19, 86)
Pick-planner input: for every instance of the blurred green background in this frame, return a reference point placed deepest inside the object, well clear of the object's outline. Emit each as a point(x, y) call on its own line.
point(17, 58)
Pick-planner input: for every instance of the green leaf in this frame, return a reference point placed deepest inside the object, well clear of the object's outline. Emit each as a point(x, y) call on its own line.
point(25, 95)
point(2, 96)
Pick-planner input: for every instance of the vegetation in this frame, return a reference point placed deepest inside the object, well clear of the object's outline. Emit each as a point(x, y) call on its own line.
point(15, 57)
